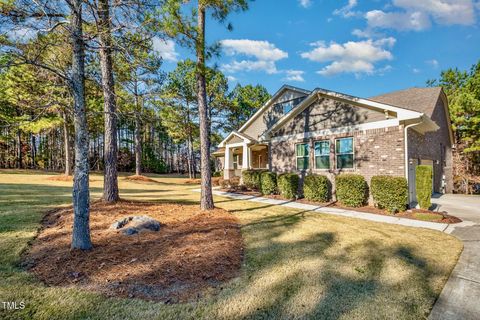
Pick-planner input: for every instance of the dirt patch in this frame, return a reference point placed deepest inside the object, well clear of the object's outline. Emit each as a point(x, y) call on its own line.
point(193, 253)
point(140, 178)
point(60, 178)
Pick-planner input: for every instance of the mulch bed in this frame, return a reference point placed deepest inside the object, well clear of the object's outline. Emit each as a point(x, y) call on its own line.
point(410, 214)
point(140, 178)
point(60, 178)
point(193, 253)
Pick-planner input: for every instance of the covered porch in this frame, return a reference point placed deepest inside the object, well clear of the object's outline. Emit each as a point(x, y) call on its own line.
point(239, 152)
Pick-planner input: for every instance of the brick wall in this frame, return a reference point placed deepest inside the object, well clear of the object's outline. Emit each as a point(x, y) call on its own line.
point(434, 146)
point(377, 152)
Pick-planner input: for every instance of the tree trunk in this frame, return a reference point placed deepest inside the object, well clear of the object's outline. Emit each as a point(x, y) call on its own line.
point(19, 149)
point(110, 183)
point(33, 150)
point(206, 199)
point(81, 194)
point(138, 135)
point(66, 144)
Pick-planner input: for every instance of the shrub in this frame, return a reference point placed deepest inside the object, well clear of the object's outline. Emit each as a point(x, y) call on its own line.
point(234, 181)
point(288, 185)
point(251, 179)
point(423, 184)
point(317, 188)
point(216, 181)
point(224, 183)
point(268, 182)
point(217, 174)
point(390, 193)
point(351, 190)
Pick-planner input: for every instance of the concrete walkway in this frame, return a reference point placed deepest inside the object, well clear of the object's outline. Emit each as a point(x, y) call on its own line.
point(347, 213)
point(459, 297)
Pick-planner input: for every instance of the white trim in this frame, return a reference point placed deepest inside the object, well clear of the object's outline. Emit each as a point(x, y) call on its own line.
point(235, 145)
point(238, 134)
point(270, 101)
point(402, 114)
point(339, 130)
point(336, 154)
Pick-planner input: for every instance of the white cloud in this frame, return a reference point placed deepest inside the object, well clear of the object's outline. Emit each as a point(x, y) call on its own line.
point(418, 15)
point(433, 63)
point(166, 49)
point(294, 75)
point(250, 65)
point(305, 3)
point(415, 70)
point(261, 55)
point(350, 57)
point(231, 78)
point(398, 20)
point(347, 11)
point(262, 50)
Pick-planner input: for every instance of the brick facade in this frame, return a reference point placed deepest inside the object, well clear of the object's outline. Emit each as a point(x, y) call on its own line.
point(376, 152)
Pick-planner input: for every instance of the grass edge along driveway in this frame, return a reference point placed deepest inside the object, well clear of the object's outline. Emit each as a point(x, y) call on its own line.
point(297, 264)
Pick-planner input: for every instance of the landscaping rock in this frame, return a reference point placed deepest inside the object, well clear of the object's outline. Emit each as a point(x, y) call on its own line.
point(136, 224)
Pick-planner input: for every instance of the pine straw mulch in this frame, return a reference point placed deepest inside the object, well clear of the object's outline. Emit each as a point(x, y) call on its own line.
point(193, 253)
point(60, 178)
point(140, 178)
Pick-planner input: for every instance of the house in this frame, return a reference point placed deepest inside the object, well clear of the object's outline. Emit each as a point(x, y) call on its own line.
point(326, 132)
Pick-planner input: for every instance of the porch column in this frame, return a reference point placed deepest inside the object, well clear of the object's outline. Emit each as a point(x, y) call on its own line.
point(228, 163)
point(245, 157)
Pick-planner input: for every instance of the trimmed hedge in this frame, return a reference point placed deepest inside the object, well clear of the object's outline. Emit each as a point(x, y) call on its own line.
point(268, 182)
point(351, 190)
point(251, 179)
point(288, 185)
point(390, 193)
point(424, 185)
point(317, 188)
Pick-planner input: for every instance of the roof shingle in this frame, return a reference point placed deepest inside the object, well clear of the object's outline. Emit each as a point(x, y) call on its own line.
point(416, 99)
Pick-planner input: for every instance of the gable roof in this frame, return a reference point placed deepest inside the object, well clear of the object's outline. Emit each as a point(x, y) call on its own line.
point(402, 112)
point(270, 101)
point(418, 99)
point(243, 136)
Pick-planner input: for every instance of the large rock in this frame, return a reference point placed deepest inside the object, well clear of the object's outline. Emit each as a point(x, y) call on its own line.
point(136, 224)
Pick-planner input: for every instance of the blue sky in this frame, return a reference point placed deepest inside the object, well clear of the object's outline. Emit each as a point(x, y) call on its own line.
point(357, 47)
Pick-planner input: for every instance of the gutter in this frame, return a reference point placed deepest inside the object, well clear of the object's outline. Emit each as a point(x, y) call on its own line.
point(406, 150)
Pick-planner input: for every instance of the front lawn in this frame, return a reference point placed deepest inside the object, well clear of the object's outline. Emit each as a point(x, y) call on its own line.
point(297, 264)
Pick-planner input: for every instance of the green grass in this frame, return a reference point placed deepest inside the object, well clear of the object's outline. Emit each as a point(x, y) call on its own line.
point(297, 264)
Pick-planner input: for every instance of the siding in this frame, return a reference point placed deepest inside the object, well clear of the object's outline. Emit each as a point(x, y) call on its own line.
point(270, 116)
point(328, 113)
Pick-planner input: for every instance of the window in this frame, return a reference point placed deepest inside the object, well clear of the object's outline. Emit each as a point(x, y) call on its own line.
point(237, 161)
point(302, 156)
point(344, 153)
point(322, 154)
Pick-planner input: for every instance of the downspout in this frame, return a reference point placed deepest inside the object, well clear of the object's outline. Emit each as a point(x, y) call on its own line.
point(406, 150)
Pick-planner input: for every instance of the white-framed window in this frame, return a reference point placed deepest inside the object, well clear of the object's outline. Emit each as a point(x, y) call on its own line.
point(237, 161)
point(322, 154)
point(302, 152)
point(344, 153)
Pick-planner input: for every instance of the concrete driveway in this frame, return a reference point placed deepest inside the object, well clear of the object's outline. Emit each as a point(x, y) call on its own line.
point(459, 297)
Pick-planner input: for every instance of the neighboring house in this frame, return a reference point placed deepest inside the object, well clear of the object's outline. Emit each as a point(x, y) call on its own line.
point(326, 132)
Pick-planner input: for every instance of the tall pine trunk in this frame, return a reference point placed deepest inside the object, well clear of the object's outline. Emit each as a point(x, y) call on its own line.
point(66, 144)
point(110, 183)
point(81, 194)
point(19, 150)
point(138, 136)
point(206, 199)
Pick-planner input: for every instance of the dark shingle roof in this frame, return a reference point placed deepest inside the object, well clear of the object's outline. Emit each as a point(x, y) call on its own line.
point(416, 99)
